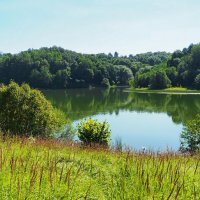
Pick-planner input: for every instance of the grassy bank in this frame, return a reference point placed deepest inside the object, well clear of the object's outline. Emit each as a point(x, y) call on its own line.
point(48, 169)
point(168, 90)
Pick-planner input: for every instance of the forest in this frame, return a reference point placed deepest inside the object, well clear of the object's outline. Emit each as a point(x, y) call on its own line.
point(57, 68)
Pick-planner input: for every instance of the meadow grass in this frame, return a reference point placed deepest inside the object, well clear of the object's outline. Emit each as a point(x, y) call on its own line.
point(168, 90)
point(51, 169)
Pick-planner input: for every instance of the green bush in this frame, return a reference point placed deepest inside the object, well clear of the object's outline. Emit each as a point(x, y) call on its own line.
point(91, 132)
point(191, 136)
point(25, 111)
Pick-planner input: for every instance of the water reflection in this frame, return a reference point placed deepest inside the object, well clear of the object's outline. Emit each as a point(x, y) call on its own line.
point(81, 103)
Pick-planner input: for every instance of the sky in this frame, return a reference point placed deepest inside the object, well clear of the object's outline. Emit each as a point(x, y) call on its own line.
point(99, 26)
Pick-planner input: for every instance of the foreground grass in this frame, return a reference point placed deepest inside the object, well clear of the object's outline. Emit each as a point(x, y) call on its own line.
point(48, 169)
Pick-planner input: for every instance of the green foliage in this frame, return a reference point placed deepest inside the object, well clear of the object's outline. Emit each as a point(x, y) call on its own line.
point(25, 111)
point(150, 58)
point(181, 69)
point(172, 74)
point(59, 68)
point(159, 80)
point(142, 80)
point(125, 74)
point(131, 82)
point(196, 56)
point(92, 131)
point(41, 78)
point(191, 136)
point(62, 78)
point(187, 64)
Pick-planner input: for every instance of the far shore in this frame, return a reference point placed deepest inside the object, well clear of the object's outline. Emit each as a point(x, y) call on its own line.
point(173, 90)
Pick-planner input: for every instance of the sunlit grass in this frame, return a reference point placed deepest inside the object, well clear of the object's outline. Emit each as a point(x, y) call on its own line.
point(170, 90)
point(177, 89)
point(49, 169)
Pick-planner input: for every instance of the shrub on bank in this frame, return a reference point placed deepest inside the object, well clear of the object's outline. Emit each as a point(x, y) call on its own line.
point(26, 111)
point(191, 136)
point(93, 132)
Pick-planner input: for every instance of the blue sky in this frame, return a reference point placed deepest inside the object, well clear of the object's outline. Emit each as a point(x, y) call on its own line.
point(95, 26)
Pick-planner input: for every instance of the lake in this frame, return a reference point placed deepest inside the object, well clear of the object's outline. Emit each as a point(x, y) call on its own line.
point(149, 120)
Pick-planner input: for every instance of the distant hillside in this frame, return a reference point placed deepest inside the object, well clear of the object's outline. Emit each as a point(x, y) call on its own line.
point(182, 69)
point(59, 68)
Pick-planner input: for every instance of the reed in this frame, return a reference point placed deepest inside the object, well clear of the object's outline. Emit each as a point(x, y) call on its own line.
point(51, 169)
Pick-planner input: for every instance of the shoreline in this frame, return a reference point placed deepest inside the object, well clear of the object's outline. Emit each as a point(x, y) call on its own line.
point(182, 91)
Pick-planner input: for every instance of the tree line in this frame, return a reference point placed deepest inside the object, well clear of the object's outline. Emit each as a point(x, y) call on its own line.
point(58, 68)
point(181, 70)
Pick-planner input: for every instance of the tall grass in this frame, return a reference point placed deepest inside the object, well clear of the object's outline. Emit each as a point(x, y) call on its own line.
point(49, 169)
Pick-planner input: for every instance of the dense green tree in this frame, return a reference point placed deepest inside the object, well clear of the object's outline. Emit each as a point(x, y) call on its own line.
point(135, 68)
point(62, 78)
point(187, 64)
point(83, 70)
point(41, 78)
point(159, 80)
point(25, 111)
point(142, 80)
point(172, 74)
point(125, 74)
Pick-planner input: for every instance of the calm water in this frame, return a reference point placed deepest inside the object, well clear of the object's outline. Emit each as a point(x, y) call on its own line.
point(139, 119)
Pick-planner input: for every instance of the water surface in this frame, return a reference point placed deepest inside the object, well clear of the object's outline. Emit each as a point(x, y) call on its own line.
point(140, 119)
